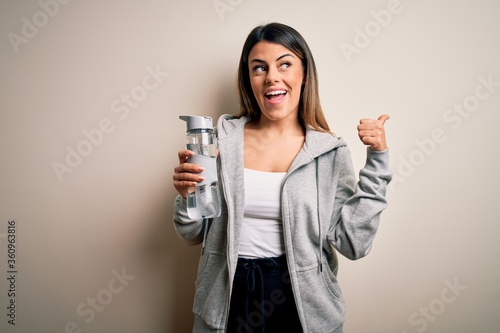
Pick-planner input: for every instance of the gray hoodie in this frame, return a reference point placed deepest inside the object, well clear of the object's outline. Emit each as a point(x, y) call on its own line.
point(324, 211)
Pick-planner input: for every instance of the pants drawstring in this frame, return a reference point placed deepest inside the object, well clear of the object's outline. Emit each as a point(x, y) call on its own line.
point(252, 268)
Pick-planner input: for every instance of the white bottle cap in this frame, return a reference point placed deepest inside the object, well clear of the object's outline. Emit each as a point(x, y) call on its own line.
point(197, 122)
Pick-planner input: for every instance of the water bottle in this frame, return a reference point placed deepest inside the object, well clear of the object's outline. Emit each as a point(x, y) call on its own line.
point(203, 200)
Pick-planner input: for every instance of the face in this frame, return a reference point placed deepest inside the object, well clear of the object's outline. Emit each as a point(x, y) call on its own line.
point(276, 77)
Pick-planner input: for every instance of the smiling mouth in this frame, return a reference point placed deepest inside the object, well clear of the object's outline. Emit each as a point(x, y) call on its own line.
point(276, 94)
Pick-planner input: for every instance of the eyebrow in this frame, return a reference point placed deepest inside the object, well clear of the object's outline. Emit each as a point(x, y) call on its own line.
point(278, 59)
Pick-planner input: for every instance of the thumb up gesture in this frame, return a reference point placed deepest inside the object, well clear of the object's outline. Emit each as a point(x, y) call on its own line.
point(371, 132)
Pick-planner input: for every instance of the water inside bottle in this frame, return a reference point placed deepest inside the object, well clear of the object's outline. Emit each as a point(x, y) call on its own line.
point(192, 207)
point(203, 202)
point(202, 149)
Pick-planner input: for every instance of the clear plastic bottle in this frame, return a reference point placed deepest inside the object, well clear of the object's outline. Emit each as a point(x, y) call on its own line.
point(203, 200)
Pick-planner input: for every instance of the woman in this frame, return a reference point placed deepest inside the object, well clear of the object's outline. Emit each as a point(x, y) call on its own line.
point(290, 199)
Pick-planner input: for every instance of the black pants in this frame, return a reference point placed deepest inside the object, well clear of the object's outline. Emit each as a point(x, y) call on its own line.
point(262, 298)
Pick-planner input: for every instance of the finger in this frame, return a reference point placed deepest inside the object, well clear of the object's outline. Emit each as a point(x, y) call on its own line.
point(369, 133)
point(368, 140)
point(187, 177)
point(183, 184)
point(188, 167)
point(184, 155)
point(367, 121)
point(368, 126)
point(371, 129)
point(383, 118)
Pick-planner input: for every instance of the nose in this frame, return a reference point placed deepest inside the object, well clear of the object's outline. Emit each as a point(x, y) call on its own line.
point(273, 75)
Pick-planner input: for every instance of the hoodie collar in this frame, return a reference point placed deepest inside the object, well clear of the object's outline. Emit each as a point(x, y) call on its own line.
point(316, 143)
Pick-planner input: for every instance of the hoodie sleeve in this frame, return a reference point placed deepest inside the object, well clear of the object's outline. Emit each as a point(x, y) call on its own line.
point(353, 230)
point(191, 231)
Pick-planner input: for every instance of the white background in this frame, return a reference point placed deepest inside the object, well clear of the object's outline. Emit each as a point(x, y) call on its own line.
point(110, 213)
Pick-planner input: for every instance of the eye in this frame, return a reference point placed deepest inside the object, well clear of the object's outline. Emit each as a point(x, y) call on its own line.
point(259, 69)
point(285, 65)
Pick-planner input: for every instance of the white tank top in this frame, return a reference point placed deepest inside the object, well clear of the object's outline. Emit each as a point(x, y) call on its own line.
point(262, 230)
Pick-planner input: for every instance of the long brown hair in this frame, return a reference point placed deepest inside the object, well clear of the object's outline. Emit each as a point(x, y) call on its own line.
point(310, 111)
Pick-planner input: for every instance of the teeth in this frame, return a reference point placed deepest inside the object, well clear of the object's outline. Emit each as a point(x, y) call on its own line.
point(276, 92)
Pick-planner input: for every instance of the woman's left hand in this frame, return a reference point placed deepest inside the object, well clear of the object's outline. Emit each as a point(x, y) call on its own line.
point(372, 133)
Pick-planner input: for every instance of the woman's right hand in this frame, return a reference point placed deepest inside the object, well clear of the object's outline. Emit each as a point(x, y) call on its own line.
point(186, 174)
